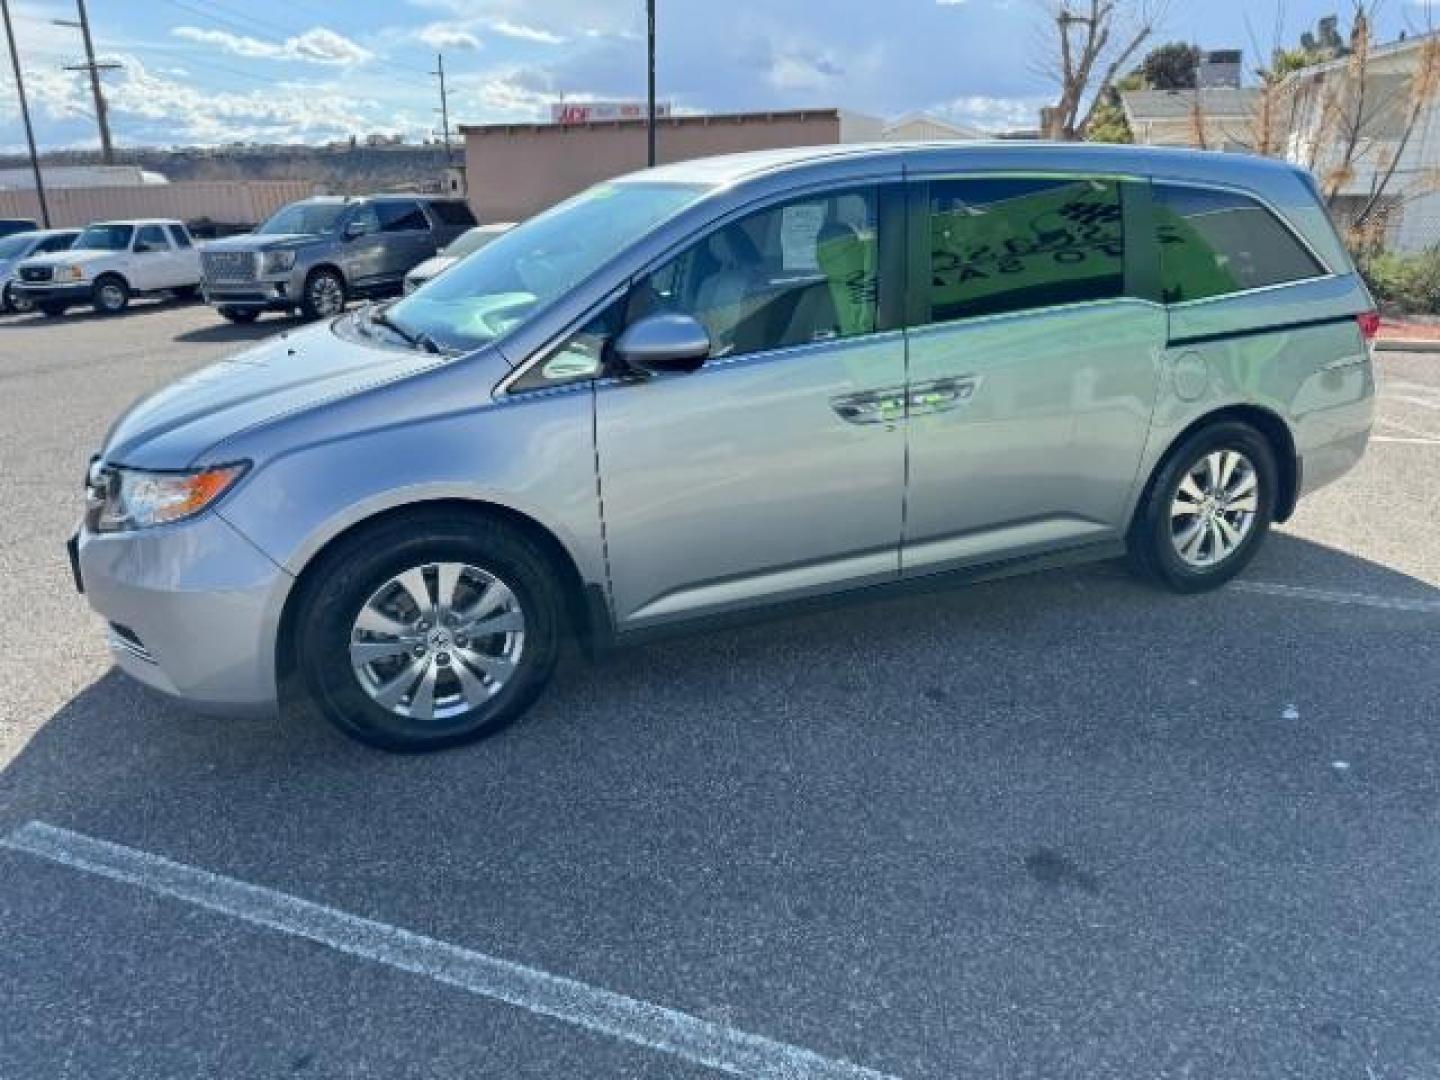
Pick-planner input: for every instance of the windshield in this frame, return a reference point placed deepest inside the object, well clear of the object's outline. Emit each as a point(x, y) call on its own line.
point(304, 217)
point(523, 270)
point(15, 245)
point(471, 241)
point(105, 238)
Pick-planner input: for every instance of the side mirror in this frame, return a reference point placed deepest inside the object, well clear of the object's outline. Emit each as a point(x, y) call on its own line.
point(355, 229)
point(667, 344)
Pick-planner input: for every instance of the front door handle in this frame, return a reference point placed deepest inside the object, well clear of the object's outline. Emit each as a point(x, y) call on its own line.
point(874, 407)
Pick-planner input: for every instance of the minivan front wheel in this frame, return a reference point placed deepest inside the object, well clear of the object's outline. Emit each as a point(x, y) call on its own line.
point(324, 295)
point(417, 638)
point(1207, 510)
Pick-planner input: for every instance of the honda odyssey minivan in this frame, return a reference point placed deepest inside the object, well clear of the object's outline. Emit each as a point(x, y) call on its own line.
point(729, 383)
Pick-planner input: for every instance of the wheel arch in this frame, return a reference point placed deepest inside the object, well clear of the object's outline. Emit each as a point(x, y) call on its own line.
point(326, 264)
point(1270, 425)
point(585, 610)
point(117, 274)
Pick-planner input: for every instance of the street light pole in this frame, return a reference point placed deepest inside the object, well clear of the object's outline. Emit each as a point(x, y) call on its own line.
point(25, 113)
point(650, 78)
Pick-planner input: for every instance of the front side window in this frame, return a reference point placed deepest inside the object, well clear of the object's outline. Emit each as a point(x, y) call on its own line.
point(796, 273)
point(152, 238)
point(1213, 243)
point(106, 238)
point(180, 236)
point(402, 217)
point(1001, 244)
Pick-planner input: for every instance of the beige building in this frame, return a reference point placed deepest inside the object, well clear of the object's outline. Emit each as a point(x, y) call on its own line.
point(923, 127)
point(516, 170)
point(1210, 117)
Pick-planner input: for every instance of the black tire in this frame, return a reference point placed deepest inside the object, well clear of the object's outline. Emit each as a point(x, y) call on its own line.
point(110, 294)
point(52, 309)
point(239, 314)
point(314, 302)
point(1152, 544)
point(363, 563)
point(11, 302)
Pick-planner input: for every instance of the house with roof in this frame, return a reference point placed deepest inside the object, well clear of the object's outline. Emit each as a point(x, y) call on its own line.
point(1205, 117)
point(926, 127)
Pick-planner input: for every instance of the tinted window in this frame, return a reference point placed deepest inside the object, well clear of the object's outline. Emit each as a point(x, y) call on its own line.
point(401, 217)
point(180, 236)
point(796, 273)
point(152, 237)
point(304, 217)
point(1217, 242)
point(1007, 244)
point(452, 212)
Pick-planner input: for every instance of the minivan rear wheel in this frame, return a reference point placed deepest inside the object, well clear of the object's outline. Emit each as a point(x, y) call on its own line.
point(1207, 510)
point(417, 636)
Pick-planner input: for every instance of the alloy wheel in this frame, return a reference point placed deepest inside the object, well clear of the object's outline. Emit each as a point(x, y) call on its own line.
point(1214, 508)
point(437, 641)
point(327, 296)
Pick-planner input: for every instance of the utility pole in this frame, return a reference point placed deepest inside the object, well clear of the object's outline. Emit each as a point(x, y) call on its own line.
point(25, 113)
point(650, 79)
point(444, 112)
point(107, 151)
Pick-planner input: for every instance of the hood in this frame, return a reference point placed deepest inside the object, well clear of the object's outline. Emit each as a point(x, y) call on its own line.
point(73, 257)
point(432, 266)
point(264, 242)
point(173, 427)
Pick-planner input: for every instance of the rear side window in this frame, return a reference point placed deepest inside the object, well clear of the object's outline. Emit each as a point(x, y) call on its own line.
point(152, 238)
point(1213, 243)
point(452, 212)
point(401, 217)
point(1002, 244)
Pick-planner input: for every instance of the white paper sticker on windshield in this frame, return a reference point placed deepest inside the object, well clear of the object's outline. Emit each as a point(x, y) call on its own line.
point(799, 232)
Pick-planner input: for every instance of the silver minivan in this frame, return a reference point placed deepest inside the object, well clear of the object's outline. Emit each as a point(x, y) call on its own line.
point(728, 383)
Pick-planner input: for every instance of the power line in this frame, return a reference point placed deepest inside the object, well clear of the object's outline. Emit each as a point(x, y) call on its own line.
point(444, 110)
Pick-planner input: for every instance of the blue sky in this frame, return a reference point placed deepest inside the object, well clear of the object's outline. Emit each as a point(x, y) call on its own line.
point(214, 71)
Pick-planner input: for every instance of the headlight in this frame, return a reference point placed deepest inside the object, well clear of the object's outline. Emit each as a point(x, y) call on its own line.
point(277, 262)
point(137, 500)
point(69, 273)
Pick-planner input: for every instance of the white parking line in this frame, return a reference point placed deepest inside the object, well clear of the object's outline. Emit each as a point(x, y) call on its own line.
point(1330, 596)
point(652, 1026)
point(1404, 440)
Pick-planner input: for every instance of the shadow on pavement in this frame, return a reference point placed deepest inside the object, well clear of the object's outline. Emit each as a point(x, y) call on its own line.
point(263, 327)
point(1030, 804)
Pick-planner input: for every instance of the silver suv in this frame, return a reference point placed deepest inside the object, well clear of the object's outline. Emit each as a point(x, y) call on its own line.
point(311, 256)
point(727, 383)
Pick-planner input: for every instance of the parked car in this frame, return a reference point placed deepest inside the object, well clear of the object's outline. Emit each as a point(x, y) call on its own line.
point(109, 263)
point(18, 247)
point(727, 383)
point(313, 255)
point(11, 225)
point(467, 243)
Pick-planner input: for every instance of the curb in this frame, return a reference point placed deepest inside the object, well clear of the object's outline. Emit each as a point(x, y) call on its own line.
point(1416, 345)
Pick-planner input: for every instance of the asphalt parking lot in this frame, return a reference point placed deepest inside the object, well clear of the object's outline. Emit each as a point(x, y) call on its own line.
point(1057, 826)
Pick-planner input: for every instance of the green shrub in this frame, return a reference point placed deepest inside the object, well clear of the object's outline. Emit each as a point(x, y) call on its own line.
point(1410, 283)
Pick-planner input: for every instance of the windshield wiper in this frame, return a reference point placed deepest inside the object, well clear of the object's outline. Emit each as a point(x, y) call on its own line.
point(415, 341)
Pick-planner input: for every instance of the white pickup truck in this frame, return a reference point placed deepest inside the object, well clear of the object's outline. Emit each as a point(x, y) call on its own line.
point(110, 262)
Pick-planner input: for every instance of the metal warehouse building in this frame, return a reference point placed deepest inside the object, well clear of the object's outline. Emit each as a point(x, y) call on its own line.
point(515, 170)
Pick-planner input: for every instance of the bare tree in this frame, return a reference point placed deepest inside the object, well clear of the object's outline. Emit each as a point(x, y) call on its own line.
point(1094, 39)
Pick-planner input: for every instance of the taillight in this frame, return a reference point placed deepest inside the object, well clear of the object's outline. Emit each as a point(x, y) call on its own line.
point(1369, 322)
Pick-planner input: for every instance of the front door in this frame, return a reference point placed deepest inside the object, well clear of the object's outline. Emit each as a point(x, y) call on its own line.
point(777, 469)
point(153, 265)
point(1034, 360)
point(408, 240)
point(364, 251)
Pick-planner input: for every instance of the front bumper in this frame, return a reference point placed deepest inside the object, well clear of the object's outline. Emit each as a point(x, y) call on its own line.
point(40, 292)
point(193, 610)
point(266, 295)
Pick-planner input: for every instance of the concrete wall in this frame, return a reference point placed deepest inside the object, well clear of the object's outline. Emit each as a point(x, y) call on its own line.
point(516, 170)
point(234, 203)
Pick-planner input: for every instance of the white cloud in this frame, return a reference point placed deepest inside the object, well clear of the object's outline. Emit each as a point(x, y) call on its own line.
point(797, 71)
point(317, 45)
point(993, 113)
point(439, 35)
point(526, 33)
